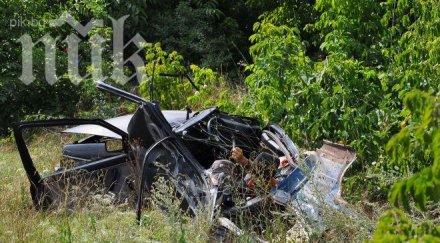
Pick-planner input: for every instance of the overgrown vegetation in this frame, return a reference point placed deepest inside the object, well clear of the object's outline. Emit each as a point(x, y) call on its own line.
point(363, 73)
point(99, 221)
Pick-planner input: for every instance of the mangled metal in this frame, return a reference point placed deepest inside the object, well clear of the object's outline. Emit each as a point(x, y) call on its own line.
point(181, 147)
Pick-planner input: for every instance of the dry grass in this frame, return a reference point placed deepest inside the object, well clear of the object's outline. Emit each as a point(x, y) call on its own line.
point(104, 222)
point(19, 222)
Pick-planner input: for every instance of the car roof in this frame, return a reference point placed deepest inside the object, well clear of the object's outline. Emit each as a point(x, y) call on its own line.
point(173, 117)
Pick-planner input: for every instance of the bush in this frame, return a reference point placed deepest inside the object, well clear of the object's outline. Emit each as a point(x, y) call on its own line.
point(173, 90)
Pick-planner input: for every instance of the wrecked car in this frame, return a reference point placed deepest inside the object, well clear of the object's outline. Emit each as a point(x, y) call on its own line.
point(181, 146)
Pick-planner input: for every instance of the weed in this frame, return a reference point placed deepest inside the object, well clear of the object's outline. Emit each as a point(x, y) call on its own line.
point(94, 219)
point(65, 232)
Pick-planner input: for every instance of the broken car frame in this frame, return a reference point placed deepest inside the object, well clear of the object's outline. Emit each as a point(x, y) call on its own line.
point(182, 147)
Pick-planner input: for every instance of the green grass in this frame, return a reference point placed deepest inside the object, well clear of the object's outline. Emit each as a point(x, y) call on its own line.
point(99, 222)
point(19, 222)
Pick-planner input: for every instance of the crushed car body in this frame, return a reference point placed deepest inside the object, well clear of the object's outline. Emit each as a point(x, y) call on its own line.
point(181, 147)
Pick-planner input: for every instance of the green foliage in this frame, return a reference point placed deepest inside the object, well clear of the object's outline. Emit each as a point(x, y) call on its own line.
point(355, 72)
point(39, 99)
point(338, 98)
point(294, 13)
point(419, 142)
point(173, 90)
point(394, 226)
point(354, 94)
point(350, 28)
point(279, 63)
point(209, 33)
point(160, 63)
point(208, 81)
point(412, 46)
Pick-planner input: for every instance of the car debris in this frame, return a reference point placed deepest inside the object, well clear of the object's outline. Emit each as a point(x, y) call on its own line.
point(181, 146)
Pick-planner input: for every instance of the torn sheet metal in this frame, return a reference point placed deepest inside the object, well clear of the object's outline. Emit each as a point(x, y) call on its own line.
point(322, 185)
point(181, 148)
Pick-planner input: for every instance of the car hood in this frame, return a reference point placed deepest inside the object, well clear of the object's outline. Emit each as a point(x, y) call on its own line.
point(175, 118)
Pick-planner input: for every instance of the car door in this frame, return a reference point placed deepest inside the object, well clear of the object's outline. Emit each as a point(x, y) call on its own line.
point(85, 164)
